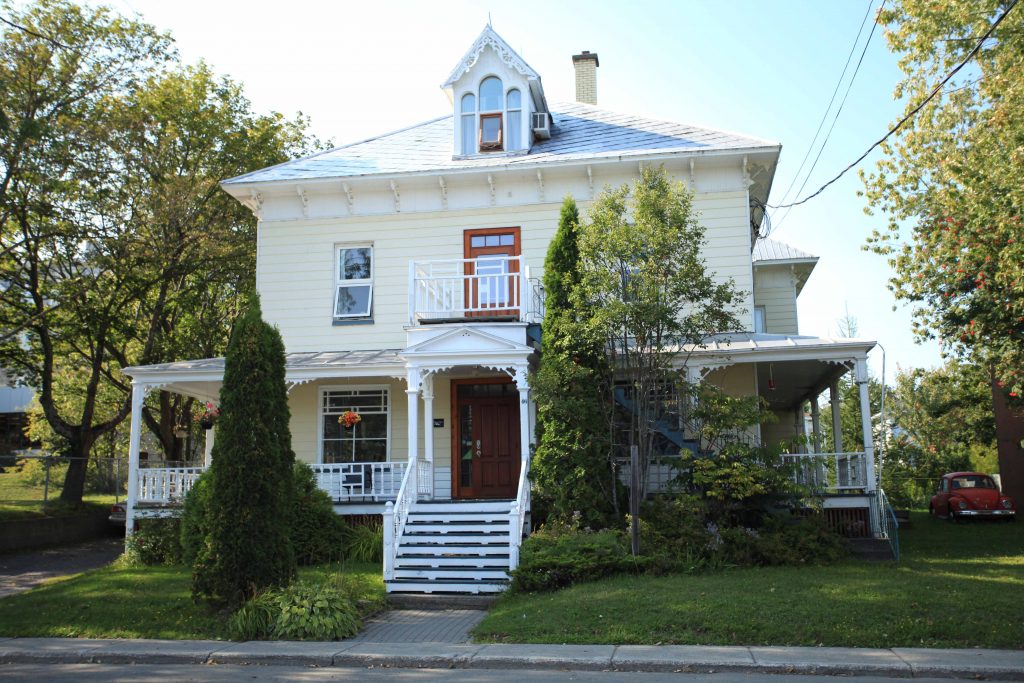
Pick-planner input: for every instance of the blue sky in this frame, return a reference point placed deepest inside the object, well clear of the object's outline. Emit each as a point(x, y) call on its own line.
point(765, 69)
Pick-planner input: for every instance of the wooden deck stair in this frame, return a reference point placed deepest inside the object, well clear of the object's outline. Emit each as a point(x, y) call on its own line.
point(453, 547)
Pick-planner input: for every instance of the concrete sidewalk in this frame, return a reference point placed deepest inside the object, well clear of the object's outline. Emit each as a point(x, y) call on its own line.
point(896, 662)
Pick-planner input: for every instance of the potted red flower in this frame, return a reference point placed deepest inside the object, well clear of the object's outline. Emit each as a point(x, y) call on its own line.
point(349, 419)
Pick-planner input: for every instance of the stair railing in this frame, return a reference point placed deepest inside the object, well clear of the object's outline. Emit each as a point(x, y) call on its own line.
point(517, 515)
point(395, 516)
point(888, 525)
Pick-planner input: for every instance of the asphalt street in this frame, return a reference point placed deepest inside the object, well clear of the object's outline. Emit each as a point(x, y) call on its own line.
point(205, 673)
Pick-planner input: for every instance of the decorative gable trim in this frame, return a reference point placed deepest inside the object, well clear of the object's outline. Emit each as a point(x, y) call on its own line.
point(508, 56)
point(462, 340)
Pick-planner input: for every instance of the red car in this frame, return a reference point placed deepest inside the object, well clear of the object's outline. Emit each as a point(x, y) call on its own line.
point(970, 495)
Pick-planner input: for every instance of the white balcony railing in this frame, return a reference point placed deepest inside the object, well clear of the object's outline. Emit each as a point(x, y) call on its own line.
point(343, 481)
point(484, 287)
point(829, 471)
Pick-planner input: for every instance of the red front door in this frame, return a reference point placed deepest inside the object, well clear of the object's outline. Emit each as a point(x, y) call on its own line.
point(486, 439)
point(492, 272)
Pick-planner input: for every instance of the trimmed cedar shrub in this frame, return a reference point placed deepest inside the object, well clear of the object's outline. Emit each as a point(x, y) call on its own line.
point(194, 527)
point(247, 545)
point(571, 470)
point(318, 535)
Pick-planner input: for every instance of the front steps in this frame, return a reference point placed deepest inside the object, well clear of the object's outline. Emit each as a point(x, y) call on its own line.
point(453, 547)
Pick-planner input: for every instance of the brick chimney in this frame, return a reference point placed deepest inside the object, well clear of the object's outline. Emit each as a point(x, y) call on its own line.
point(586, 76)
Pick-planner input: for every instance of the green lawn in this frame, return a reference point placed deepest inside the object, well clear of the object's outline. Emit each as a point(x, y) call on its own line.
point(21, 496)
point(146, 602)
point(958, 586)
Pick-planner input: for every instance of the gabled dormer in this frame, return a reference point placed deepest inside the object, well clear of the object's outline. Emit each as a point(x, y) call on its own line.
point(495, 95)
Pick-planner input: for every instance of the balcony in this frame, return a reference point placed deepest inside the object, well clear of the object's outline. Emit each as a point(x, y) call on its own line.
point(485, 289)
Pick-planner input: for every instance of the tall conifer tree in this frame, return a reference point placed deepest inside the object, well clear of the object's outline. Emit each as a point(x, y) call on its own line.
point(247, 546)
point(572, 468)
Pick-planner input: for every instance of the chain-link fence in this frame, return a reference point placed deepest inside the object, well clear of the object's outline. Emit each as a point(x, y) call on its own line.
point(30, 481)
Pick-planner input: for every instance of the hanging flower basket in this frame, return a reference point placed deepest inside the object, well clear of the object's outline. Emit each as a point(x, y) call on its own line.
point(349, 419)
point(208, 417)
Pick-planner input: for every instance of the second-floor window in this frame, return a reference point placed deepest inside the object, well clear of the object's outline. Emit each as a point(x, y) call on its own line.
point(353, 296)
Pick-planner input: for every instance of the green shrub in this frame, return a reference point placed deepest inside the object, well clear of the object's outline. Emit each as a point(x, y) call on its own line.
point(551, 560)
point(194, 518)
point(302, 611)
point(255, 619)
point(154, 542)
point(317, 533)
point(365, 543)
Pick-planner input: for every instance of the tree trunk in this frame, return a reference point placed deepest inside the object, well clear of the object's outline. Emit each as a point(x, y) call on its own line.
point(79, 447)
point(1010, 440)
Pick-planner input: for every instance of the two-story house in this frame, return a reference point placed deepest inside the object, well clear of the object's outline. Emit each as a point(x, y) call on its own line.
point(403, 273)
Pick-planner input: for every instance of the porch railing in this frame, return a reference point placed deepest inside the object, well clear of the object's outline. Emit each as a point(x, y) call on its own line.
point(166, 484)
point(829, 471)
point(343, 482)
point(484, 287)
point(360, 481)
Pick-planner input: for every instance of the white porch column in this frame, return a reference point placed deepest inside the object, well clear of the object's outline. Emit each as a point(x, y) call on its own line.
point(524, 412)
point(837, 422)
point(861, 377)
point(412, 391)
point(134, 446)
point(208, 450)
point(428, 431)
point(428, 419)
point(815, 426)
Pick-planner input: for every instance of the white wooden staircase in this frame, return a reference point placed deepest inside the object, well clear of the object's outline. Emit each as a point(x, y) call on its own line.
point(453, 547)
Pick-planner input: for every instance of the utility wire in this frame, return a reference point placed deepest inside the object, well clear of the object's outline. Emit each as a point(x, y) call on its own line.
point(913, 112)
point(824, 115)
point(839, 111)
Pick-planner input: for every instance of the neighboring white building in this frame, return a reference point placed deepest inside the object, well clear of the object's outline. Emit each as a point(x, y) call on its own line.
point(403, 273)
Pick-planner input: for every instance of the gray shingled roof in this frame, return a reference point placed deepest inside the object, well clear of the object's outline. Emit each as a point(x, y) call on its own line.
point(293, 361)
point(773, 250)
point(580, 132)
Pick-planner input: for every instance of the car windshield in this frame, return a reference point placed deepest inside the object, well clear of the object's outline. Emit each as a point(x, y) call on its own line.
point(973, 481)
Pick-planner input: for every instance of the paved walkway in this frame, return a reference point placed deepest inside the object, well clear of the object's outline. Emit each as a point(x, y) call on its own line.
point(895, 662)
point(22, 570)
point(421, 626)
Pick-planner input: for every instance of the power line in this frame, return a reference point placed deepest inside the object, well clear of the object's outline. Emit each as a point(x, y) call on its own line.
point(824, 116)
point(913, 112)
point(839, 111)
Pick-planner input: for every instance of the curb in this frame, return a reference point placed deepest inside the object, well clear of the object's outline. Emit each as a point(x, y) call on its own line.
point(896, 662)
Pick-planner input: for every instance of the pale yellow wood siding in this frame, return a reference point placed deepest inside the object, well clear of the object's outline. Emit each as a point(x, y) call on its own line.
point(774, 289)
point(296, 278)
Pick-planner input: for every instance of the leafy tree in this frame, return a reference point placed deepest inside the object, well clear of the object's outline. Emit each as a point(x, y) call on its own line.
point(117, 247)
point(951, 178)
point(64, 263)
point(572, 469)
point(250, 503)
point(644, 278)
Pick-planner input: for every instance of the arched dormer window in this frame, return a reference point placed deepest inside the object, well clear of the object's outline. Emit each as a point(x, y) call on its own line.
point(467, 123)
point(514, 107)
point(490, 138)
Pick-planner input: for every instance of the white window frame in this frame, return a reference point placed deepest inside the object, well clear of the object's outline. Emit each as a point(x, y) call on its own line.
point(386, 388)
point(362, 282)
point(764, 319)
